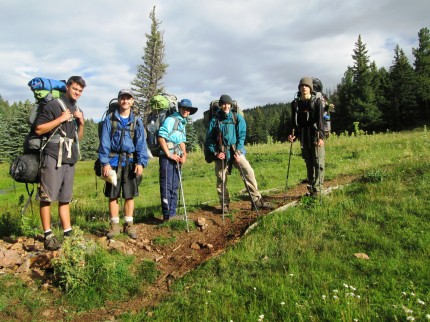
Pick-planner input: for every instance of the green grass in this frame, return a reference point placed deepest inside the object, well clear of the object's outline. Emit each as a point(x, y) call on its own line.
point(299, 265)
point(296, 265)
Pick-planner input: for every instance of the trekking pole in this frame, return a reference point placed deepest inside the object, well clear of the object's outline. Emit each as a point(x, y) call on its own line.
point(182, 193)
point(288, 169)
point(318, 162)
point(246, 185)
point(223, 188)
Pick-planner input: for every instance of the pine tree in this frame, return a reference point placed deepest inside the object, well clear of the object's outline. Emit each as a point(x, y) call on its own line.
point(192, 143)
point(150, 73)
point(16, 130)
point(90, 142)
point(402, 101)
point(422, 70)
point(364, 109)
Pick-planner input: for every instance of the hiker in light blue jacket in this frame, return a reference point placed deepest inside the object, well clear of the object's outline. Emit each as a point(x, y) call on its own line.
point(173, 154)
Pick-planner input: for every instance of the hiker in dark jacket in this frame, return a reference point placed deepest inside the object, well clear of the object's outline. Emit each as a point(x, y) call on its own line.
point(62, 122)
point(308, 124)
point(123, 150)
point(173, 154)
point(226, 140)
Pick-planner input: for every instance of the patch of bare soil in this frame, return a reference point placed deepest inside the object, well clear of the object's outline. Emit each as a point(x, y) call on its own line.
point(186, 250)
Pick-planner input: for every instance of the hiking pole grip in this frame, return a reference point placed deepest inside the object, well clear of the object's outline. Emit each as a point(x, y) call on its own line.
point(289, 161)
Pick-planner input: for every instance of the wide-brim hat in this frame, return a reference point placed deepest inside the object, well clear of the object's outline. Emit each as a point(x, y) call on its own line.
point(188, 105)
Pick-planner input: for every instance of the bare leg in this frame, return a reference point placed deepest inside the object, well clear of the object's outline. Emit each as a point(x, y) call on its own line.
point(64, 212)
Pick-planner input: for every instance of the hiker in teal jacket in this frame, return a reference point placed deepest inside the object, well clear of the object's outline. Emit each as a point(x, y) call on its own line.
point(173, 154)
point(225, 138)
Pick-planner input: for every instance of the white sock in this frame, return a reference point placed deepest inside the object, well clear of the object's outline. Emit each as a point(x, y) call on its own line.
point(114, 220)
point(128, 219)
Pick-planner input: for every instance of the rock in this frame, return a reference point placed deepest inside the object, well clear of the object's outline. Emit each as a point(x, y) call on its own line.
point(201, 221)
point(361, 256)
point(25, 267)
point(195, 246)
point(10, 259)
point(117, 245)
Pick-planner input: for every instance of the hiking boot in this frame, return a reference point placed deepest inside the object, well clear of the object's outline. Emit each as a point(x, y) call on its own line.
point(261, 204)
point(114, 230)
point(130, 230)
point(51, 243)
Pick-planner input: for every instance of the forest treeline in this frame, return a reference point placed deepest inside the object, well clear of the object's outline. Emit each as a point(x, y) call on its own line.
point(367, 98)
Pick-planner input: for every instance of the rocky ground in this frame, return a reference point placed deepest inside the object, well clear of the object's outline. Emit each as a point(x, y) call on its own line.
point(26, 258)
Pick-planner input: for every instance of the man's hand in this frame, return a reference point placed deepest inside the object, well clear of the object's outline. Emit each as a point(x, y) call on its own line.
point(291, 138)
point(138, 169)
point(220, 155)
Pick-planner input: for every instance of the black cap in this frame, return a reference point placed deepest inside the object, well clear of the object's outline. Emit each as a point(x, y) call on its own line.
point(225, 99)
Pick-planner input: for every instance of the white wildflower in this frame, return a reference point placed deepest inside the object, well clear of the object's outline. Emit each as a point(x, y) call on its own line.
point(421, 302)
point(335, 291)
point(358, 296)
point(346, 285)
point(323, 297)
point(410, 318)
point(209, 291)
point(291, 275)
point(404, 293)
point(335, 297)
point(428, 316)
point(282, 303)
point(352, 288)
point(412, 293)
point(255, 288)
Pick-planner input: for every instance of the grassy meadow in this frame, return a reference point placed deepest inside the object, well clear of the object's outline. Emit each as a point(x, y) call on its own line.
point(299, 264)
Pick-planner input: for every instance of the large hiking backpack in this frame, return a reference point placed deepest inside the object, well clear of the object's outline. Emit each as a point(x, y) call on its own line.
point(212, 113)
point(162, 105)
point(213, 109)
point(25, 168)
point(317, 93)
point(110, 110)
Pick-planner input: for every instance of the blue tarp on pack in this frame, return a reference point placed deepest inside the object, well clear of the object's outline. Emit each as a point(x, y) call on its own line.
point(40, 83)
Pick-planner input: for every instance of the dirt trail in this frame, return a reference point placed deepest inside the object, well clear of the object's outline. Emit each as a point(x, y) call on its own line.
point(186, 251)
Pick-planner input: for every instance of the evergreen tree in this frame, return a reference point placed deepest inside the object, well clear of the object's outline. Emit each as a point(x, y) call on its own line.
point(402, 94)
point(150, 73)
point(192, 143)
point(364, 109)
point(343, 100)
point(422, 70)
point(16, 130)
point(90, 142)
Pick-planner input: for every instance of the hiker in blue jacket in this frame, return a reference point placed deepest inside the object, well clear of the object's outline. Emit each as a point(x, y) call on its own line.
point(173, 154)
point(123, 150)
point(225, 138)
point(308, 124)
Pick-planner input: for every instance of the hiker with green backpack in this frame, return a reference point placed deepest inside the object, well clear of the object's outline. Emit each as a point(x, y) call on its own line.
point(173, 154)
point(123, 154)
point(61, 122)
point(225, 140)
point(308, 126)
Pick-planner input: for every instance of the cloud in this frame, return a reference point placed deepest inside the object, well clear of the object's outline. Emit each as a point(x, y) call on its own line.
point(255, 51)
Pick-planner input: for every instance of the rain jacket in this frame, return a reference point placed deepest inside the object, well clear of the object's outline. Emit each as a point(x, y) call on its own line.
point(232, 134)
point(173, 137)
point(111, 146)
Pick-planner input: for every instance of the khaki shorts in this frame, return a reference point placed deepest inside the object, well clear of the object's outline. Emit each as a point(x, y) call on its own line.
point(56, 184)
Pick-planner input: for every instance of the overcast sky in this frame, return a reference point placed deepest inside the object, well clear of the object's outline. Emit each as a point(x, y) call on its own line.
point(254, 50)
